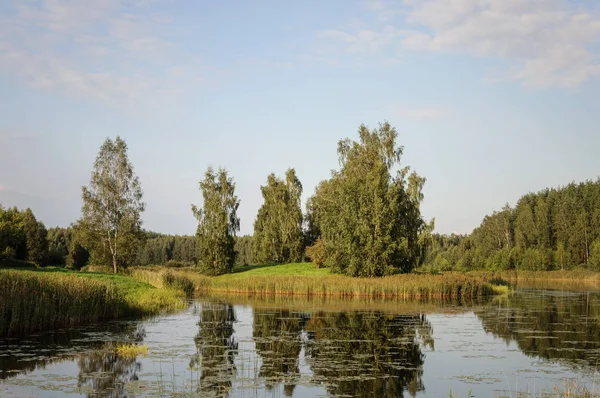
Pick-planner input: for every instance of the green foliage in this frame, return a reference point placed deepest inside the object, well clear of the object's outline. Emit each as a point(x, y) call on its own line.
point(218, 223)
point(595, 255)
point(244, 248)
point(316, 253)
point(112, 206)
point(161, 249)
point(551, 229)
point(369, 221)
point(35, 235)
point(13, 240)
point(178, 282)
point(22, 237)
point(278, 234)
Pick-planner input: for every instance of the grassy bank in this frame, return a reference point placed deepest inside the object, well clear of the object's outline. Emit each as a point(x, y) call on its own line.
point(50, 298)
point(306, 280)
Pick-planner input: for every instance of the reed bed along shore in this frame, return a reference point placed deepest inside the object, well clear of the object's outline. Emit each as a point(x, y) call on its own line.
point(32, 301)
point(307, 281)
point(580, 275)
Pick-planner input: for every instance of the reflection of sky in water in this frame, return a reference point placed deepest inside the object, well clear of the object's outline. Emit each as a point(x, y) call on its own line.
point(465, 358)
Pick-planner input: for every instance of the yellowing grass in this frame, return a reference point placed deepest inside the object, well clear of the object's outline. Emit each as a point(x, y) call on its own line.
point(131, 350)
point(305, 279)
point(47, 299)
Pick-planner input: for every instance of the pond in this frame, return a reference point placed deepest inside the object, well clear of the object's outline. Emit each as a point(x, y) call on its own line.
point(534, 340)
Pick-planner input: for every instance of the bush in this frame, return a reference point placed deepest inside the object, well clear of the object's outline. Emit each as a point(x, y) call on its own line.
point(316, 253)
point(178, 282)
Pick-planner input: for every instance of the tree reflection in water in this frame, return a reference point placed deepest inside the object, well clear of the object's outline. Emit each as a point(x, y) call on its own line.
point(550, 325)
point(216, 349)
point(277, 335)
point(103, 373)
point(366, 354)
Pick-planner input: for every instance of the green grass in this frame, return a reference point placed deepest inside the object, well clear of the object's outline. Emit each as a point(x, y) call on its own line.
point(49, 298)
point(305, 269)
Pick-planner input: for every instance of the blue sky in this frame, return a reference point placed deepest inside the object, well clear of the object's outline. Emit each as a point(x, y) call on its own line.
point(491, 99)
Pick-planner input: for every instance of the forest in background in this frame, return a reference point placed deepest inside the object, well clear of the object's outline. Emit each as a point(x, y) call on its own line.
point(364, 221)
point(556, 228)
point(552, 229)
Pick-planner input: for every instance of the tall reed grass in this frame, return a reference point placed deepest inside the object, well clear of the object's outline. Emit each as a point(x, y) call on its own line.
point(277, 282)
point(398, 286)
point(32, 301)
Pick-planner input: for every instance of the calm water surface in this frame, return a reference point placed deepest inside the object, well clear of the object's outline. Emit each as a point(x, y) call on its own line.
point(531, 341)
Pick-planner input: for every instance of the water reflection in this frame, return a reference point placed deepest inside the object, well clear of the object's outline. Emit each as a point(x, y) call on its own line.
point(216, 349)
point(21, 356)
point(277, 335)
point(319, 347)
point(105, 374)
point(367, 354)
point(553, 325)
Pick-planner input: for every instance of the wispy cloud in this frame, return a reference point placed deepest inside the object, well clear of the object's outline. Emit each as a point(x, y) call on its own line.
point(109, 50)
point(544, 42)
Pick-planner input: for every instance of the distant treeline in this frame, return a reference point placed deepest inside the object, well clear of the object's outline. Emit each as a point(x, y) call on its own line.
point(551, 229)
point(364, 220)
point(24, 238)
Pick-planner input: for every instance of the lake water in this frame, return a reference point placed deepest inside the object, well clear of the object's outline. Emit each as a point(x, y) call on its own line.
point(242, 347)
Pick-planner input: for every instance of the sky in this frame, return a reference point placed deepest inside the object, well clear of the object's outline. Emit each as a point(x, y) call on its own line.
point(491, 99)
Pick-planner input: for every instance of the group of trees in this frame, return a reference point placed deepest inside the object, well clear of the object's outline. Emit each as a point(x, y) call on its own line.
point(366, 217)
point(159, 249)
point(278, 235)
point(22, 237)
point(551, 229)
point(363, 221)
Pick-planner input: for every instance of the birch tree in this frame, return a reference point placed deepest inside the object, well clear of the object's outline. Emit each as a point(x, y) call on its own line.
point(218, 222)
point(278, 226)
point(368, 218)
point(112, 206)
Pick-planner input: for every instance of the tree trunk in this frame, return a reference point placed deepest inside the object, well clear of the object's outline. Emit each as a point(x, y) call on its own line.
point(114, 263)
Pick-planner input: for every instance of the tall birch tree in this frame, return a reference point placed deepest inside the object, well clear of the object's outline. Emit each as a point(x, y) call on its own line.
point(112, 206)
point(218, 222)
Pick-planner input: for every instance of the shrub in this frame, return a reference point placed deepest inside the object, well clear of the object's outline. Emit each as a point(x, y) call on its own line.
point(178, 282)
point(316, 253)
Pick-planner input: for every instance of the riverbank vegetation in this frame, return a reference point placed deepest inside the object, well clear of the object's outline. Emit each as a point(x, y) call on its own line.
point(47, 299)
point(364, 221)
point(305, 280)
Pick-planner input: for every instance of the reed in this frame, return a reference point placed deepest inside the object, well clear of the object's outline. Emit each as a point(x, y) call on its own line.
point(178, 282)
point(398, 286)
point(522, 275)
point(32, 301)
point(306, 280)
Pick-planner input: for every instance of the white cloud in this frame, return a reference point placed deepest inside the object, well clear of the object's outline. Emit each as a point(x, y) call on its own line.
point(545, 42)
point(108, 50)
